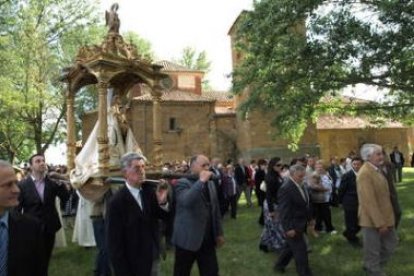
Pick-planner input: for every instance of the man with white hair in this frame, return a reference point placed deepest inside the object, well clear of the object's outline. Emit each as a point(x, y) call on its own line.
point(132, 225)
point(376, 215)
point(294, 214)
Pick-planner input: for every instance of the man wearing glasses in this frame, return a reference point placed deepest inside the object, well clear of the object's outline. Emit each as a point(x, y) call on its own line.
point(197, 225)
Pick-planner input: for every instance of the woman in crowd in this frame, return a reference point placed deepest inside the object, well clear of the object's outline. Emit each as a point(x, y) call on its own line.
point(259, 177)
point(272, 238)
point(321, 205)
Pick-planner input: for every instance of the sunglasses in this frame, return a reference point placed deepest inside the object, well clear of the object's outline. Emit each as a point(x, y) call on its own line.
point(278, 165)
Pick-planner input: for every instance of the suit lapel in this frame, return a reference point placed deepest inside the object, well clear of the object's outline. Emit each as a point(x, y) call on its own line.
point(47, 194)
point(32, 189)
point(12, 242)
point(133, 202)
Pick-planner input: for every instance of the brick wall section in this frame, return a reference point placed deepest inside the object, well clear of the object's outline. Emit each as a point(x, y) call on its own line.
point(192, 119)
point(257, 139)
point(338, 142)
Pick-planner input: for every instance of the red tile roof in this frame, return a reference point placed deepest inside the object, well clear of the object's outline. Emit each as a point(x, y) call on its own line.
point(221, 96)
point(169, 66)
point(176, 96)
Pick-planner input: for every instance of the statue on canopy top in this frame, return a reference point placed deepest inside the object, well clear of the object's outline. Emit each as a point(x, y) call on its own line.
point(112, 19)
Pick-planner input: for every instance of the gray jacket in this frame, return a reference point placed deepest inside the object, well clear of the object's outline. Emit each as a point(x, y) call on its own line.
point(192, 211)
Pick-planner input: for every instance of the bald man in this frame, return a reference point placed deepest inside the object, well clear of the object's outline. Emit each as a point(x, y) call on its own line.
point(197, 225)
point(21, 246)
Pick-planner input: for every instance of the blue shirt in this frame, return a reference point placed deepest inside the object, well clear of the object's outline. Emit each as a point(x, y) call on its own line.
point(5, 219)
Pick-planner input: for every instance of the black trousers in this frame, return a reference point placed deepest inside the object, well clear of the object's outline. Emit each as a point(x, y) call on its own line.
point(231, 201)
point(49, 243)
point(297, 249)
point(351, 224)
point(323, 214)
point(206, 260)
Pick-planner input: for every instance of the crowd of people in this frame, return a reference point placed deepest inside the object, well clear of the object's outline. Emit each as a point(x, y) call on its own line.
point(185, 209)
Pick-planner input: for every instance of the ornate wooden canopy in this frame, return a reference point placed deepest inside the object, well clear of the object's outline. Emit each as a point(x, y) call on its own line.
point(113, 64)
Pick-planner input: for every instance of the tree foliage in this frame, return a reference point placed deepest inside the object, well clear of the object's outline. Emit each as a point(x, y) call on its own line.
point(36, 44)
point(144, 47)
point(297, 52)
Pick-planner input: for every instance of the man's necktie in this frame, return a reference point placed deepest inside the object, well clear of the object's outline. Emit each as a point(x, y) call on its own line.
point(141, 199)
point(4, 241)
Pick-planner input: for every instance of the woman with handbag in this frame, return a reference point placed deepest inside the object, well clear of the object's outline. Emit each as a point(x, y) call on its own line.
point(272, 238)
point(260, 191)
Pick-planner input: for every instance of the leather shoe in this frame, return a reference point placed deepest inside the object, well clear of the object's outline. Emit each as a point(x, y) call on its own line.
point(263, 248)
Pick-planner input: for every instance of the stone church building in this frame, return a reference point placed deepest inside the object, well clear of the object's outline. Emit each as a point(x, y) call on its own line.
point(197, 121)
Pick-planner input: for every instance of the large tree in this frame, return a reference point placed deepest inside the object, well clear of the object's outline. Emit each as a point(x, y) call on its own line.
point(297, 52)
point(34, 49)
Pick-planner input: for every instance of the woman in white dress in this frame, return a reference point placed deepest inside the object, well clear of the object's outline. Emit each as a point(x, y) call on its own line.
point(83, 230)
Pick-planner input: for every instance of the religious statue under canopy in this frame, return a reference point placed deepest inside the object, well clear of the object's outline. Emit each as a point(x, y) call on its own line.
point(112, 19)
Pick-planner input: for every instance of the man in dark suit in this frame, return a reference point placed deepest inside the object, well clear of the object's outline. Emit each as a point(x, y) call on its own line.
point(21, 246)
point(294, 214)
point(197, 224)
point(132, 231)
point(38, 199)
point(241, 175)
point(348, 197)
point(397, 158)
point(218, 178)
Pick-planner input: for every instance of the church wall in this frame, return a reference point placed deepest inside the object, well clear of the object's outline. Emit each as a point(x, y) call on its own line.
point(226, 143)
point(339, 142)
point(257, 139)
point(190, 137)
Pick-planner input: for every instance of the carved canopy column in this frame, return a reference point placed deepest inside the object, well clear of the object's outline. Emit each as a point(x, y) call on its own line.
point(157, 126)
point(103, 147)
point(71, 130)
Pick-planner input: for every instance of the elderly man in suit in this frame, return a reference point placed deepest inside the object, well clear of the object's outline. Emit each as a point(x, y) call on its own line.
point(376, 213)
point(397, 158)
point(38, 199)
point(348, 197)
point(241, 174)
point(197, 225)
point(21, 246)
point(294, 214)
point(132, 229)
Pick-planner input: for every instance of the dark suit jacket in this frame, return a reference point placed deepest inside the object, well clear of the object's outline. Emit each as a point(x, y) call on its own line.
point(392, 157)
point(294, 211)
point(31, 204)
point(241, 178)
point(26, 253)
point(347, 192)
point(132, 234)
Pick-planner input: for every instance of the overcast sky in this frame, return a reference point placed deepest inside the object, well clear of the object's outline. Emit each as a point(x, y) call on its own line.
point(171, 25)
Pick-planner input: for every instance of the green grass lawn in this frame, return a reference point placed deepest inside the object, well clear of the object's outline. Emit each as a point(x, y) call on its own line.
point(240, 255)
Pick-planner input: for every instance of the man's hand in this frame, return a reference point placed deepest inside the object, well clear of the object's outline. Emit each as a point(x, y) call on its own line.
point(162, 196)
point(383, 230)
point(219, 241)
point(291, 233)
point(205, 176)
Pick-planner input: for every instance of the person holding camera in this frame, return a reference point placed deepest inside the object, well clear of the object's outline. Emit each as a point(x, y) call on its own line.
point(197, 225)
